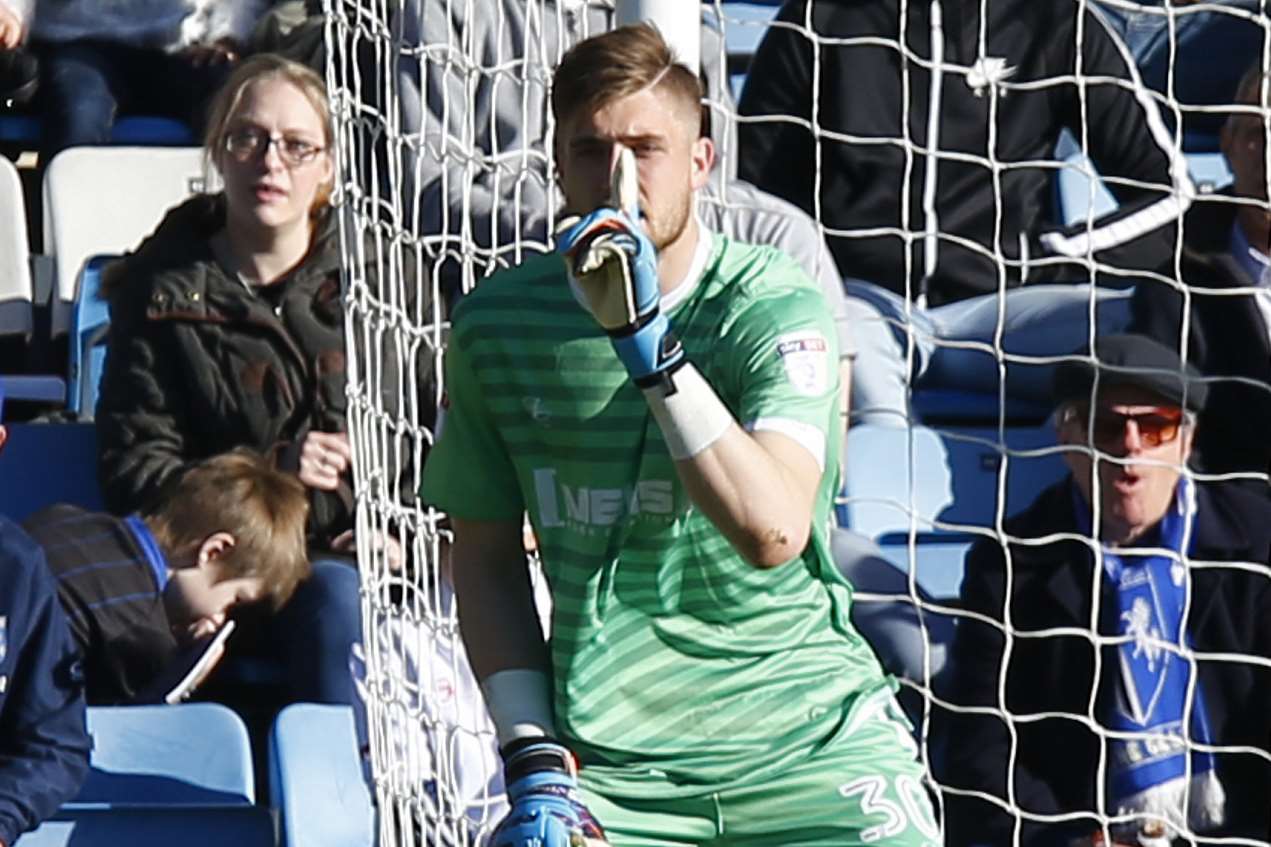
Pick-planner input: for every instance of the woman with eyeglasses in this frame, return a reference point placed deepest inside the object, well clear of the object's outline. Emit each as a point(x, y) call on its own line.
point(227, 330)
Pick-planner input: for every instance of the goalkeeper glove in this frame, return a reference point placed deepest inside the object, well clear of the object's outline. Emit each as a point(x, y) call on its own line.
point(616, 266)
point(543, 793)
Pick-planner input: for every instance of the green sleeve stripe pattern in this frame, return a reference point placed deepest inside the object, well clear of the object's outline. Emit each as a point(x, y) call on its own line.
point(673, 657)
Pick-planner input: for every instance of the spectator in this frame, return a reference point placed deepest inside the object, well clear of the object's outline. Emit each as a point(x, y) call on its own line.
point(1227, 302)
point(942, 230)
point(44, 742)
point(227, 330)
point(99, 58)
point(230, 531)
point(1079, 644)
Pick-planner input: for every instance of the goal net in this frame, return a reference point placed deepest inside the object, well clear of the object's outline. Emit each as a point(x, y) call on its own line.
point(447, 176)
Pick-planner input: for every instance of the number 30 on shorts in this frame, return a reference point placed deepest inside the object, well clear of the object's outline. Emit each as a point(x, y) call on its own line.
point(913, 809)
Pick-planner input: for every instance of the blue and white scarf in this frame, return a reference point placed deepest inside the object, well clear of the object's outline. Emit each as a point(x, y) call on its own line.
point(1148, 767)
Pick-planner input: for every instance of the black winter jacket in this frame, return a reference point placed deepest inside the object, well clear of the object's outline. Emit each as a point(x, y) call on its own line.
point(1227, 338)
point(1050, 673)
point(862, 173)
point(198, 363)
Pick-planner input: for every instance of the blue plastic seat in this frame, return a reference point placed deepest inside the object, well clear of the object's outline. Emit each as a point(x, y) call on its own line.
point(315, 778)
point(191, 754)
point(946, 479)
point(48, 463)
point(163, 775)
point(186, 826)
point(90, 322)
point(138, 130)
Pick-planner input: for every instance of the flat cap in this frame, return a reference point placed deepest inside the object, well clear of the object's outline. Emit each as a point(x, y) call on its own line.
point(1134, 361)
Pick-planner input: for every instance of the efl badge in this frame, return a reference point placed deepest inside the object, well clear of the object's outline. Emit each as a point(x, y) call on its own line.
point(4, 636)
point(806, 357)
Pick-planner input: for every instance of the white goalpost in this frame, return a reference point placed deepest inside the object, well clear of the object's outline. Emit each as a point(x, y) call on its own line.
point(447, 175)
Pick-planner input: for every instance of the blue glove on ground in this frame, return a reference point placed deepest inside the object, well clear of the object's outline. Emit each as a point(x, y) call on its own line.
point(543, 792)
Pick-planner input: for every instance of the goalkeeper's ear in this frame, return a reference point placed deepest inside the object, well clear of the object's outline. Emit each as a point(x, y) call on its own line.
point(703, 159)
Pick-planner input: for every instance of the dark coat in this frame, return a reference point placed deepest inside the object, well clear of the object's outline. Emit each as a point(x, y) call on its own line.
point(1057, 758)
point(44, 743)
point(1227, 338)
point(862, 185)
point(198, 363)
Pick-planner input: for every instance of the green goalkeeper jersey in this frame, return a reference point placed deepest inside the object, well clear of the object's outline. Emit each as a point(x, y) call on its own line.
point(674, 660)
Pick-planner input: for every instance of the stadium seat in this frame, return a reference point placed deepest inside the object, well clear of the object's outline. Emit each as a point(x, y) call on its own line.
point(315, 778)
point(163, 775)
point(947, 479)
point(191, 754)
point(937, 406)
point(162, 826)
point(105, 200)
point(48, 463)
point(139, 130)
point(16, 293)
point(1083, 194)
point(90, 322)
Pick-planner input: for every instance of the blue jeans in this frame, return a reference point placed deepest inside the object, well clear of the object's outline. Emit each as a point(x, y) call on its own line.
point(305, 646)
point(1039, 321)
point(1212, 50)
point(84, 85)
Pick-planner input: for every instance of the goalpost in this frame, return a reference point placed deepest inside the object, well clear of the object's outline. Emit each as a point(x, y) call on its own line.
point(442, 119)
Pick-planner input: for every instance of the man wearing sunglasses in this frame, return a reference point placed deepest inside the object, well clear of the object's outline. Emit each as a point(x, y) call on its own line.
point(1118, 633)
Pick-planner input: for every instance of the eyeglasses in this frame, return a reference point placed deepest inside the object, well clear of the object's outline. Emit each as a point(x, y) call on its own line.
point(1156, 427)
point(247, 143)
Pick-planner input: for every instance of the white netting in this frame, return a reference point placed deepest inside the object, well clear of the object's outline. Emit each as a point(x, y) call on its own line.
point(442, 127)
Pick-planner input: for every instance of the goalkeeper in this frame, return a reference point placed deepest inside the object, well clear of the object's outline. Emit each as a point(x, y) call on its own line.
point(662, 401)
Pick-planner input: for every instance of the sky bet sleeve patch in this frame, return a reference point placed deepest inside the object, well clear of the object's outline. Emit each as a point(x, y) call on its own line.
point(806, 357)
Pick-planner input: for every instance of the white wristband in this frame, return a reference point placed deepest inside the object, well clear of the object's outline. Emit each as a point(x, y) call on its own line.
point(520, 704)
point(690, 413)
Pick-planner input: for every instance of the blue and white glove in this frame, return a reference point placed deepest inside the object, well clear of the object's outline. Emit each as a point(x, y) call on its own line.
point(543, 792)
point(616, 266)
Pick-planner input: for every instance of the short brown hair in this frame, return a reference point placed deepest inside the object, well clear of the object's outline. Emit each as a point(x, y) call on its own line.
point(620, 63)
point(243, 494)
point(260, 67)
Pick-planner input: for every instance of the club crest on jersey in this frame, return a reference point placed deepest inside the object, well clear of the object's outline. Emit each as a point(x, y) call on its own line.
point(806, 358)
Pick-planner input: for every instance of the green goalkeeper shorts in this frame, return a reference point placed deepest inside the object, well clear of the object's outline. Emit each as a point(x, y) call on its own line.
point(863, 787)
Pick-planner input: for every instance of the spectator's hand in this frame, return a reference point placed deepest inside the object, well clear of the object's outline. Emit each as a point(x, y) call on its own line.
point(323, 457)
point(225, 51)
point(12, 36)
point(346, 543)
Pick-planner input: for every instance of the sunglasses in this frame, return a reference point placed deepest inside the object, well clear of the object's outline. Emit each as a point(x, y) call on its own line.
point(1155, 427)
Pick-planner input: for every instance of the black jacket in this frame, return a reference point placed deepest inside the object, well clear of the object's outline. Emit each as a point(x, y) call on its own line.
point(862, 178)
point(198, 363)
point(1227, 337)
point(112, 599)
point(1057, 758)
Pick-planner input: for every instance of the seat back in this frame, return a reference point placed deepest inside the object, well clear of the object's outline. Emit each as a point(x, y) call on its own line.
point(947, 479)
point(90, 322)
point(157, 826)
point(15, 260)
point(191, 754)
point(315, 778)
point(48, 463)
point(106, 200)
point(163, 775)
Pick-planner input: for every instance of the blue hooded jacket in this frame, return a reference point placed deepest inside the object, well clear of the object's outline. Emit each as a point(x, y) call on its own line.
point(44, 742)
